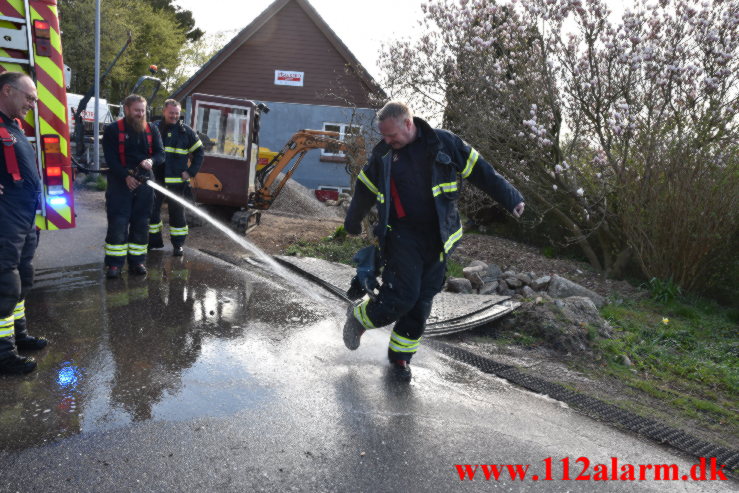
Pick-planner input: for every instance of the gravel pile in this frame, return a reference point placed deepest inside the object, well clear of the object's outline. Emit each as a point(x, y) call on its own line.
point(297, 199)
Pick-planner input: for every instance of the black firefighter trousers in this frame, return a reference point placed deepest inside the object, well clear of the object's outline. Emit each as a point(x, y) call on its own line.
point(18, 242)
point(128, 223)
point(178, 229)
point(414, 272)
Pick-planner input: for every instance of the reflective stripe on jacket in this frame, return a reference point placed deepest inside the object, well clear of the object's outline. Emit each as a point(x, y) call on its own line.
point(453, 160)
point(180, 141)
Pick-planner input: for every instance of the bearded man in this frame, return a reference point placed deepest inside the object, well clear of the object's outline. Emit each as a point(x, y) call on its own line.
point(131, 147)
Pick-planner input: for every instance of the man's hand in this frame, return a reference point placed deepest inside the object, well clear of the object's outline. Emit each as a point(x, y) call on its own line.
point(132, 183)
point(146, 164)
point(1, 189)
point(185, 175)
point(518, 210)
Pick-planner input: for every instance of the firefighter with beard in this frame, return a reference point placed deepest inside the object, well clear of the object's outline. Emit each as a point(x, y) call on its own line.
point(132, 147)
point(20, 192)
point(180, 142)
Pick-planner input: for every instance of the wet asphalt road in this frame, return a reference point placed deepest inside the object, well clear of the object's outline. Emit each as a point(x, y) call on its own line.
point(204, 376)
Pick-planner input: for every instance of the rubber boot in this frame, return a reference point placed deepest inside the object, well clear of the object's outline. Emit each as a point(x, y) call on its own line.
point(10, 362)
point(22, 339)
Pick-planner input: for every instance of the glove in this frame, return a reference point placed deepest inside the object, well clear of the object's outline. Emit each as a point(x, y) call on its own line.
point(365, 281)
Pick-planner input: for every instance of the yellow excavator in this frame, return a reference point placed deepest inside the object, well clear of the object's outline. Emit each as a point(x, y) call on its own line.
point(231, 175)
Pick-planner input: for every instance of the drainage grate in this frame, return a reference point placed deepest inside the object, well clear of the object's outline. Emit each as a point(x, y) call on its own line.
point(595, 407)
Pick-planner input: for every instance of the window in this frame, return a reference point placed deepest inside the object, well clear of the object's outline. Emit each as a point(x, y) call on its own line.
point(223, 129)
point(343, 129)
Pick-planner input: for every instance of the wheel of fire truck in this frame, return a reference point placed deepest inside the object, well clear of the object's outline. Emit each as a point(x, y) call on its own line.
point(245, 220)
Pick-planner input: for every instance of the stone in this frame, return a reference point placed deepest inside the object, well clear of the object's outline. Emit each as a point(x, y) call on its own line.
point(493, 273)
point(524, 278)
point(559, 287)
point(582, 311)
point(489, 287)
point(527, 292)
point(507, 274)
point(458, 285)
point(624, 360)
point(476, 263)
point(540, 282)
point(513, 282)
point(504, 290)
point(473, 274)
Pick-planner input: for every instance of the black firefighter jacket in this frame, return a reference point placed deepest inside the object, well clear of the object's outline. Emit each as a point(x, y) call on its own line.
point(179, 142)
point(451, 159)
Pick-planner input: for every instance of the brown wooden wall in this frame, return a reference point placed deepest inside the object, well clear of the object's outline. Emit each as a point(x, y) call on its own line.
point(288, 41)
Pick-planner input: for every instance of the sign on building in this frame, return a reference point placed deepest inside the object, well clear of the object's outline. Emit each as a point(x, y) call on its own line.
point(289, 78)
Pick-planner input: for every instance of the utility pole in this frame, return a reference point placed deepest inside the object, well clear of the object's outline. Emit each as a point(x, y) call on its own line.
point(96, 124)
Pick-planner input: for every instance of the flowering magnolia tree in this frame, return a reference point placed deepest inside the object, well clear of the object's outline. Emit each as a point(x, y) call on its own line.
point(623, 131)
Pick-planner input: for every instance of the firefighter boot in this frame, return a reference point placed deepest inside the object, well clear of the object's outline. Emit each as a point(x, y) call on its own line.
point(353, 330)
point(178, 251)
point(23, 340)
point(113, 272)
point(138, 269)
point(401, 368)
point(10, 362)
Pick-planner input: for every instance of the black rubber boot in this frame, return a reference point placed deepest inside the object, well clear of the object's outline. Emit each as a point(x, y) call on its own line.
point(26, 342)
point(17, 365)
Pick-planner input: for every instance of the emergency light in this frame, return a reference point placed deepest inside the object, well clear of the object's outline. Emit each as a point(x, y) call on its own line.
point(42, 38)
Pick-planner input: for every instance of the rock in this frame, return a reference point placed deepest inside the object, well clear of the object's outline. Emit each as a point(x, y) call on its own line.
point(331, 203)
point(624, 360)
point(507, 274)
point(504, 290)
point(476, 263)
point(559, 287)
point(583, 312)
point(513, 282)
point(473, 274)
point(493, 273)
point(540, 282)
point(527, 292)
point(524, 278)
point(458, 285)
point(489, 287)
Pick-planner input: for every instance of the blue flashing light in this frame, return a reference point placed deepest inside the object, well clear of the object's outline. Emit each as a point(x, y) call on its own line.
point(68, 376)
point(58, 201)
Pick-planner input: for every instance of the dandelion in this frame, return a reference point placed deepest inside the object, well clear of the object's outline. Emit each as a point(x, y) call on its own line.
point(665, 321)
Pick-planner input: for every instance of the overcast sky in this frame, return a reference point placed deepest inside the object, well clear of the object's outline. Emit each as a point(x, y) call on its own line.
point(362, 26)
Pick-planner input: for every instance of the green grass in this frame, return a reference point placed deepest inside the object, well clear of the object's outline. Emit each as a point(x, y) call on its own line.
point(685, 353)
point(338, 247)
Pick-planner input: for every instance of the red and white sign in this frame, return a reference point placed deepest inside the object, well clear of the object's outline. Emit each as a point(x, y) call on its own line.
point(289, 78)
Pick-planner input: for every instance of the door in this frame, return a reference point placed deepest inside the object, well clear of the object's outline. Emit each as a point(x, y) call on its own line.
point(224, 125)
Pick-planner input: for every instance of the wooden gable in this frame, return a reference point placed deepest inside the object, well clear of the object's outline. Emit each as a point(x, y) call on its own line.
point(291, 36)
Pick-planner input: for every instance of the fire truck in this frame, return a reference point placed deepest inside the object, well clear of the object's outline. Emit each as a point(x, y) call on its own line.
point(30, 42)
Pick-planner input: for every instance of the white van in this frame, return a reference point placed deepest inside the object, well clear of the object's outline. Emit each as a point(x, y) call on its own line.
point(88, 116)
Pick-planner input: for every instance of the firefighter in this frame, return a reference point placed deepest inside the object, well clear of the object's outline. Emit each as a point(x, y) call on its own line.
point(414, 176)
point(20, 193)
point(132, 147)
point(180, 144)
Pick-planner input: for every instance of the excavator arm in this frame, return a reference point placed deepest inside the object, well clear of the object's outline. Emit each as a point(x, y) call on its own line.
point(268, 180)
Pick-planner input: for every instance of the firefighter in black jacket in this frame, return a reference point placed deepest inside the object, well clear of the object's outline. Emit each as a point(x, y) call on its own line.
point(414, 176)
point(180, 142)
point(20, 192)
point(132, 147)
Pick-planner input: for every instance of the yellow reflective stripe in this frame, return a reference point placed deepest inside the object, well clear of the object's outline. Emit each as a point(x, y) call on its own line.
point(371, 186)
point(452, 240)
point(20, 310)
point(404, 341)
point(195, 146)
point(178, 231)
point(360, 313)
point(176, 150)
point(444, 187)
point(116, 250)
point(471, 160)
point(7, 326)
point(173, 179)
point(155, 228)
point(136, 249)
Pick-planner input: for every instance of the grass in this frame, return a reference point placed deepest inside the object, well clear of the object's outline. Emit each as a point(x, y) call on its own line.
point(685, 353)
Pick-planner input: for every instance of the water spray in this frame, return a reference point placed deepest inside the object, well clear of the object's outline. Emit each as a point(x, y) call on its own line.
point(306, 289)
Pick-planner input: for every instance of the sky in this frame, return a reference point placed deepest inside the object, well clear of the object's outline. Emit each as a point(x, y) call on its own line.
point(362, 25)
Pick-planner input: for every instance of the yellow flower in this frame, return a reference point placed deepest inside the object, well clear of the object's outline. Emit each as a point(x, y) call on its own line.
point(665, 321)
